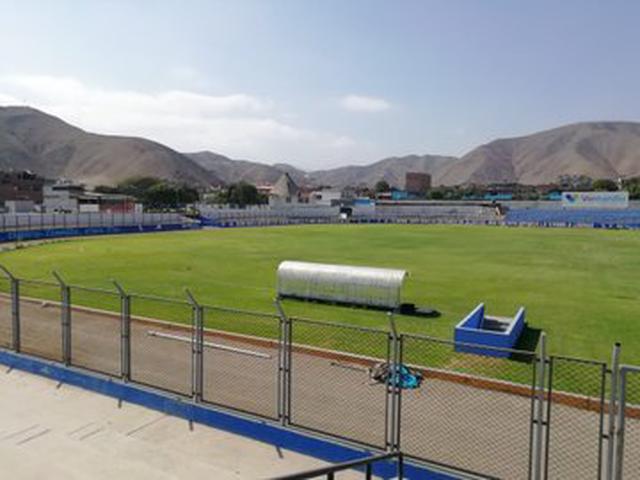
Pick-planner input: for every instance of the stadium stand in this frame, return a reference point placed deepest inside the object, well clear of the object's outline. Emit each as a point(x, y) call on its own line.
point(596, 218)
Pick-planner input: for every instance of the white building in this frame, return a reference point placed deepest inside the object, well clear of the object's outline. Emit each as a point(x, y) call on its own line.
point(325, 197)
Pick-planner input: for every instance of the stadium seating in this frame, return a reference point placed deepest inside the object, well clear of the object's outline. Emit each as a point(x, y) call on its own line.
point(597, 218)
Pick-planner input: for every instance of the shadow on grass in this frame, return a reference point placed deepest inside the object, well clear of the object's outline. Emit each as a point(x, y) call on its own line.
point(528, 342)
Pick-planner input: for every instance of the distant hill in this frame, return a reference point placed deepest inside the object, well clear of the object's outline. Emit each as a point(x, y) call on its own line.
point(230, 171)
point(33, 140)
point(30, 139)
point(595, 149)
point(391, 169)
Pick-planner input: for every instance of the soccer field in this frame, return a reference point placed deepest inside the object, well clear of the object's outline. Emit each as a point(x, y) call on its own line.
point(580, 286)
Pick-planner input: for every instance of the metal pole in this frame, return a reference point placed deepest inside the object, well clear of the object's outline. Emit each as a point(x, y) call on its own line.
point(15, 308)
point(611, 434)
point(65, 317)
point(284, 359)
point(619, 462)
point(539, 430)
point(393, 387)
point(125, 333)
point(197, 340)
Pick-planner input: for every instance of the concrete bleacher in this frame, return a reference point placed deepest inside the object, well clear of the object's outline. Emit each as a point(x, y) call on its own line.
point(57, 431)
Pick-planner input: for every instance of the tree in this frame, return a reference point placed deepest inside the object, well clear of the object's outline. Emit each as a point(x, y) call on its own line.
point(157, 193)
point(605, 185)
point(242, 194)
point(632, 185)
point(382, 186)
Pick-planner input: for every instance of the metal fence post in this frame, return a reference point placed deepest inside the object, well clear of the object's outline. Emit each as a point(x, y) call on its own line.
point(15, 309)
point(65, 317)
point(611, 432)
point(284, 364)
point(197, 344)
point(619, 460)
point(538, 468)
point(393, 388)
point(125, 333)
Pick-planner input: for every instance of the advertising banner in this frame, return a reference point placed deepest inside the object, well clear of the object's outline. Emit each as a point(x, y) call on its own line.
point(595, 199)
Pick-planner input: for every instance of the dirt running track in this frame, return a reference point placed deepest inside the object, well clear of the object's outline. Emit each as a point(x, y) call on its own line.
point(448, 422)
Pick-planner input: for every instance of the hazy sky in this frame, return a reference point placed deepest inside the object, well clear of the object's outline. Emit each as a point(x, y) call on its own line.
point(322, 83)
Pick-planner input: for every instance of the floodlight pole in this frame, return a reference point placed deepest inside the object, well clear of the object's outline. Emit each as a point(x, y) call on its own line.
point(197, 344)
point(65, 317)
point(125, 332)
point(284, 364)
point(15, 308)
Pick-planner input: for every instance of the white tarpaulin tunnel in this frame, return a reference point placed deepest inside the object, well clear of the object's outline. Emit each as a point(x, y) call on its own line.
point(372, 287)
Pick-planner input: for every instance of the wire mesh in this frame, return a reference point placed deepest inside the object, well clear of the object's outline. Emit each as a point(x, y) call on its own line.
point(330, 390)
point(6, 329)
point(240, 370)
point(161, 336)
point(40, 319)
point(631, 459)
point(472, 412)
point(95, 330)
point(575, 412)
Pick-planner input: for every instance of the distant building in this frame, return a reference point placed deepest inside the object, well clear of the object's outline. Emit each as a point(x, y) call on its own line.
point(284, 192)
point(417, 183)
point(19, 206)
point(71, 198)
point(325, 197)
point(23, 185)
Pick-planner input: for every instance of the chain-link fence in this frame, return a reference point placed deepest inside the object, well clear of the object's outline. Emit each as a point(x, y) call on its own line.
point(477, 408)
point(241, 371)
point(628, 438)
point(161, 350)
point(575, 407)
point(40, 319)
point(6, 328)
point(331, 390)
point(473, 412)
point(95, 330)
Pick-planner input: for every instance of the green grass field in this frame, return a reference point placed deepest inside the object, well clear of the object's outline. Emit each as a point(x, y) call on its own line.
point(580, 286)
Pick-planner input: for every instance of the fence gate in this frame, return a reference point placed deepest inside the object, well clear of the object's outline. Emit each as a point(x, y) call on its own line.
point(575, 407)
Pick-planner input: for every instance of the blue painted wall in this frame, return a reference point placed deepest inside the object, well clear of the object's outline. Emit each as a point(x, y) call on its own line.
point(85, 231)
point(470, 331)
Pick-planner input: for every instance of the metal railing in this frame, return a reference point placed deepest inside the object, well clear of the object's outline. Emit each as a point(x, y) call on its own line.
point(366, 463)
point(548, 416)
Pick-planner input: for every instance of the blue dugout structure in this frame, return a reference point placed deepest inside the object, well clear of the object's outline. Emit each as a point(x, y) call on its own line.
point(479, 329)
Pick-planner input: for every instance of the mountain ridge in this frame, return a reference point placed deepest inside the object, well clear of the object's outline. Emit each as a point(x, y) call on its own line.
point(34, 140)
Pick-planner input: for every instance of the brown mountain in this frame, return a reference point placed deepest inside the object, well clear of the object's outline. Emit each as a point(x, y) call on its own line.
point(230, 171)
point(595, 149)
point(31, 139)
point(391, 169)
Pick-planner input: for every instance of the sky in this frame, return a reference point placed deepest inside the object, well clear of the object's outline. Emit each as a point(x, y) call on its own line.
point(322, 83)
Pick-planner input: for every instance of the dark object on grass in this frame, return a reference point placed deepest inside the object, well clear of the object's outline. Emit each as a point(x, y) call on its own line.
point(398, 375)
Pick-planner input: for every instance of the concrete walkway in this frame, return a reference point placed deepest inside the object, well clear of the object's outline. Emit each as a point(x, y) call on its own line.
point(61, 432)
